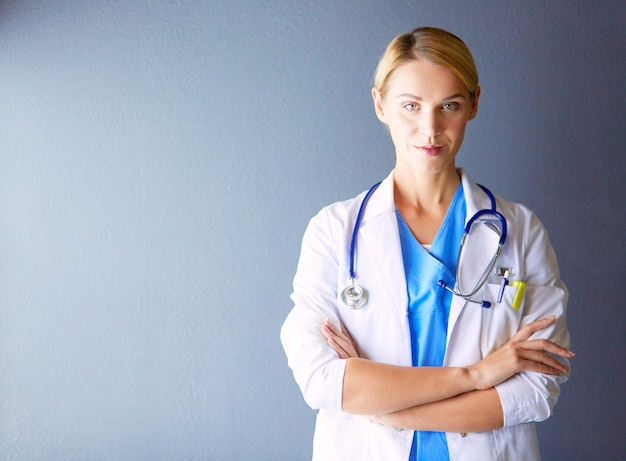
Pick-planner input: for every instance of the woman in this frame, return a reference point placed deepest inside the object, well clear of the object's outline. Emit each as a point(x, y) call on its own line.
point(422, 370)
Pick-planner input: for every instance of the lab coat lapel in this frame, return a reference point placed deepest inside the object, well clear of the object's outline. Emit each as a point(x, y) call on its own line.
point(475, 199)
point(383, 238)
point(380, 233)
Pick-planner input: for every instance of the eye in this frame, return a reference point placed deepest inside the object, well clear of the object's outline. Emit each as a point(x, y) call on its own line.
point(411, 106)
point(451, 106)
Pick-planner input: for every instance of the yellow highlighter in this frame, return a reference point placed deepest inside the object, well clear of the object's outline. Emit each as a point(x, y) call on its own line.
point(519, 295)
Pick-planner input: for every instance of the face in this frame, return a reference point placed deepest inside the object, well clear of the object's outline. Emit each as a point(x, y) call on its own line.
point(426, 108)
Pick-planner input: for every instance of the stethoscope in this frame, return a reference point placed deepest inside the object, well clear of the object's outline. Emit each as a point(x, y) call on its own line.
point(355, 296)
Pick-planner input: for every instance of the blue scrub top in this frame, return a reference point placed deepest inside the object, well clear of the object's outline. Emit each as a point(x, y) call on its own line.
point(429, 305)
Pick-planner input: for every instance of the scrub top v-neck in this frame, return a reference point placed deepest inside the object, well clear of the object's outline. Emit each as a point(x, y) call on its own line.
point(429, 306)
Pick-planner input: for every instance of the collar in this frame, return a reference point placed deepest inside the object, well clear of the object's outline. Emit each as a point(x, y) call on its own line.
point(382, 200)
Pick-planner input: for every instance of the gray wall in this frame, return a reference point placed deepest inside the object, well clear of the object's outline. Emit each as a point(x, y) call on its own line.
point(159, 162)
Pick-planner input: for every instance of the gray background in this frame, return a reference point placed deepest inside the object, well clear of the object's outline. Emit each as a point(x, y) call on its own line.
point(159, 161)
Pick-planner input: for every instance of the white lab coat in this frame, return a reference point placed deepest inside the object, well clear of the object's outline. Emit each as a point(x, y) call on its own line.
point(381, 328)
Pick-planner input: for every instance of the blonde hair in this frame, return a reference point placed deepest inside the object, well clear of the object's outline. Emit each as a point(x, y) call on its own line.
point(433, 45)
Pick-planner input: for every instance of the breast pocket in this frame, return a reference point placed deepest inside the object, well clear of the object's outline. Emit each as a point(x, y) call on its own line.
point(502, 320)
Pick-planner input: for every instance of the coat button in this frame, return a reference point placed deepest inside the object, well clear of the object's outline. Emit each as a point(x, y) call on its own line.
point(463, 434)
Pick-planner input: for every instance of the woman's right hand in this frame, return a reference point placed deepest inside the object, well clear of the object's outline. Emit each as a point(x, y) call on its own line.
point(521, 354)
point(339, 340)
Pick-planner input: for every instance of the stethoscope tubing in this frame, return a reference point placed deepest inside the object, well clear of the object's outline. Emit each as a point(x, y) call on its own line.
point(357, 225)
point(492, 211)
point(355, 302)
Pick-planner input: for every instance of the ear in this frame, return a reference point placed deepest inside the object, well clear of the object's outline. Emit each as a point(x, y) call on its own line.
point(378, 105)
point(474, 109)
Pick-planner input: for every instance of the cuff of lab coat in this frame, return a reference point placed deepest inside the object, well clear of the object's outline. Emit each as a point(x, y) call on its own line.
point(324, 388)
point(521, 402)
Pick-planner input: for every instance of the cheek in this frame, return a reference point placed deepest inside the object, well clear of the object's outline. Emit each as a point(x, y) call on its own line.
point(456, 128)
point(401, 128)
point(400, 136)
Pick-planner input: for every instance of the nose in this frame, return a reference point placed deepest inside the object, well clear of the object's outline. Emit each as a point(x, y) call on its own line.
point(429, 124)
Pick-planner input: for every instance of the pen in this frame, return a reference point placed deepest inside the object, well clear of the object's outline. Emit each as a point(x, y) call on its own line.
point(503, 283)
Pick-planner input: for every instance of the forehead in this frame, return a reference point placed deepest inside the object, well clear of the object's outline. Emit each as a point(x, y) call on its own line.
point(426, 80)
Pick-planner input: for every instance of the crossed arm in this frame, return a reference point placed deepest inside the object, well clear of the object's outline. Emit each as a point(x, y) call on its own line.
point(446, 399)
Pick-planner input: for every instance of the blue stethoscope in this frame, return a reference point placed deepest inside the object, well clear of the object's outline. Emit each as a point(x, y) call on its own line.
point(355, 296)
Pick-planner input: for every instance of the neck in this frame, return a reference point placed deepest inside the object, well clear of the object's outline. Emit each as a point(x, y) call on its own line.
point(425, 191)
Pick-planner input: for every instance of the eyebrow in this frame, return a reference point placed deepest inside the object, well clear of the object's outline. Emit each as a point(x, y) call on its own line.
point(418, 98)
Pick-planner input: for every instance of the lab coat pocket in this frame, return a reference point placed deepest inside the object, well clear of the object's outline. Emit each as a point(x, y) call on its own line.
point(502, 320)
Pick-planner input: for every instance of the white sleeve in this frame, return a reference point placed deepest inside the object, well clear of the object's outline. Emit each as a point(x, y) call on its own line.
point(316, 367)
point(528, 396)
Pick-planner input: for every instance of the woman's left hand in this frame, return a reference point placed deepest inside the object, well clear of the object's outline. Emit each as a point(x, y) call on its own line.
point(340, 341)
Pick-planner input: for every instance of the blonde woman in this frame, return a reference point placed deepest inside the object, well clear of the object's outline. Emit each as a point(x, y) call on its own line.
point(402, 356)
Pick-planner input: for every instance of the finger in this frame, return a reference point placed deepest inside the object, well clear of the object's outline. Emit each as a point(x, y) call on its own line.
point(547, 346)
point(346, 344)
point(536, 367)
point(345, 350)
point(331, 327)
point(338, 342)
point(552, 365)
point(328, 329)
point(342, 353)
point(526, 331)
point(542, 359)
point(325, 330)
point(343, 334)
point(344, 330)
point(546, 365)
point(342, 342)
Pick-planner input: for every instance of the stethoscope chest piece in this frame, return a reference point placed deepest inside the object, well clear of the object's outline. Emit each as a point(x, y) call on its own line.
point(354, 296)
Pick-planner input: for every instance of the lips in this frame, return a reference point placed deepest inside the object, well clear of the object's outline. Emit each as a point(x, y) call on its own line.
point(431, 150)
